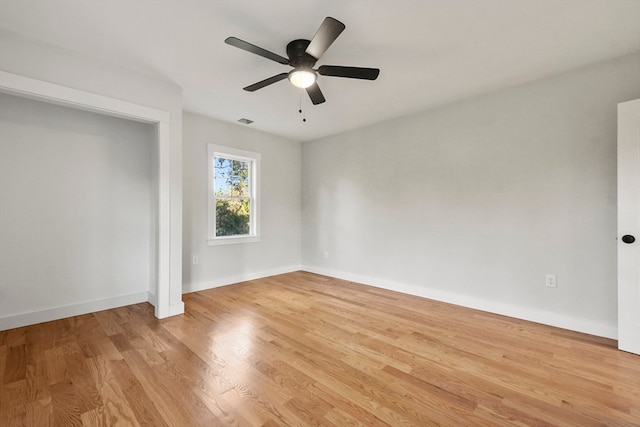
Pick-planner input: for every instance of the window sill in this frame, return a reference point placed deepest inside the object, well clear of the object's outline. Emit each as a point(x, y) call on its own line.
point(233, 240)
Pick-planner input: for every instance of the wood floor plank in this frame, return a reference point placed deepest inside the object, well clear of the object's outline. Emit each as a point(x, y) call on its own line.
point(94, 418)
point(301, 349)
point(15, 337)
point(86, 391)
point(65, 404)
point(3, 360)
point(141, 405)
point(256, 412)
point(171, 412)
point(37, 383)
point(115, 408)
point(40, 413)
point(56, 365)
point(13, 403)
point(15, 364)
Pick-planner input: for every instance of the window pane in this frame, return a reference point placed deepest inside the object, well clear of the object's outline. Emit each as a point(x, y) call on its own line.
point(232, 217)
point(233, 199)
point(231, 177)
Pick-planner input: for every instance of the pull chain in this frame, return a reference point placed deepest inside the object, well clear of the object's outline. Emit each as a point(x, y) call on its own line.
point(304, 115)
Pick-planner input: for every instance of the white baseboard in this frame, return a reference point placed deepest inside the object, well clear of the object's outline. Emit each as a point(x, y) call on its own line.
point(237, 278)
point(519, 312)
point(153, 299)
point(175, 309)
point(31, 318)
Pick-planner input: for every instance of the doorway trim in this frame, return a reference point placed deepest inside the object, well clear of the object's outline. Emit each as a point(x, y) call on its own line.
point(167, 259)
point(629, 223)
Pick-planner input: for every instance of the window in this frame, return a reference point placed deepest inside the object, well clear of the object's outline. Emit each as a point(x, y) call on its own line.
point(234, 206)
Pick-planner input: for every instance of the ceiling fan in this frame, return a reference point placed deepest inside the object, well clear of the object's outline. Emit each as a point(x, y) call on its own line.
point(303, 55)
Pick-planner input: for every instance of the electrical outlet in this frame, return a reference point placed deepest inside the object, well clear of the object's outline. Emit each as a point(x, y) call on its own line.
point(326, 254)
point(550, 281)
point(195, 259)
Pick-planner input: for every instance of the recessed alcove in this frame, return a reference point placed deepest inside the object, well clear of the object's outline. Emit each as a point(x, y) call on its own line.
point(105, 163)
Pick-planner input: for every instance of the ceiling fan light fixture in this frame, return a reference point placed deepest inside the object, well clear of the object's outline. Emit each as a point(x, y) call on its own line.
point(302, 56)
point(302, 77)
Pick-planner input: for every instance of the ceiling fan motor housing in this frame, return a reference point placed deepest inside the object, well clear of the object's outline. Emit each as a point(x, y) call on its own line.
point(298, 57)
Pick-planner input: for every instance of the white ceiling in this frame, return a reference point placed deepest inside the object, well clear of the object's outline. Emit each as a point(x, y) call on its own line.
point(430, 52)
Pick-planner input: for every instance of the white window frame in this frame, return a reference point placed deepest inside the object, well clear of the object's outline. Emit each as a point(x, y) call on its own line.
point(253, 159)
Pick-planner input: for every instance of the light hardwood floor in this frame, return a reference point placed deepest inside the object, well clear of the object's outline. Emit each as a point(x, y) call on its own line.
point(301, 349)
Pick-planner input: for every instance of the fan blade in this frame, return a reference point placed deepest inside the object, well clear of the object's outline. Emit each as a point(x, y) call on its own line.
point(315, 94)
point(349, 72)
point(241, 44)
point(266, 82)
point(328, 32)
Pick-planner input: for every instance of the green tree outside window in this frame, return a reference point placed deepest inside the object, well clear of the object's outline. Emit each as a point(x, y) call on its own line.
point(233, 197)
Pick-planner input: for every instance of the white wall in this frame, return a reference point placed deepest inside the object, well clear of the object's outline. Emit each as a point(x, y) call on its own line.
point(475, 202)
point(280, 226)
point(62, 67)
point(75, 207)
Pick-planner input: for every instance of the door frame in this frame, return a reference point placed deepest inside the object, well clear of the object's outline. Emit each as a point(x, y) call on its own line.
point(629, 223)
